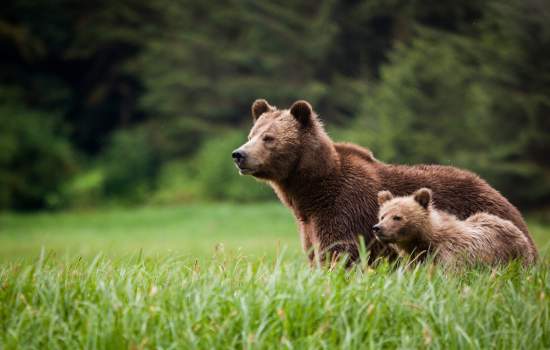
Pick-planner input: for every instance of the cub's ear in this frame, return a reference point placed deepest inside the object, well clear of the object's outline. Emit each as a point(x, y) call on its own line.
point(259, 107)
point(423, 196)
point(384, 196)
point(302, 112)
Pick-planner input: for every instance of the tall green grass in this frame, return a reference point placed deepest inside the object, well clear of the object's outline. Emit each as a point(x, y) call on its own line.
point(238, 302)
point(222, 276)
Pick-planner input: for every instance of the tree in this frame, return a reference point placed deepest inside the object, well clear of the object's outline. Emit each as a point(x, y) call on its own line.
point(478, 100)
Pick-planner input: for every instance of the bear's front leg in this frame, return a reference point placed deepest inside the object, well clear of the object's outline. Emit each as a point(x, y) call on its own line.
point(307, 244)
point(333, 247)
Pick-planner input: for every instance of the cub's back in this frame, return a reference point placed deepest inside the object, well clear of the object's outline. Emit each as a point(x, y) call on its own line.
point(503, 239)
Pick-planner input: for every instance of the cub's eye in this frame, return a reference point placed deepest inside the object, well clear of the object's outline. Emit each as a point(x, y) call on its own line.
point(397, 218)
point(268, 138)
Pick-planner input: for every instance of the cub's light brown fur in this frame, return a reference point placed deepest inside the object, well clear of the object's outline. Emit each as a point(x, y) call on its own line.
point(331, 187)
point(416, 228)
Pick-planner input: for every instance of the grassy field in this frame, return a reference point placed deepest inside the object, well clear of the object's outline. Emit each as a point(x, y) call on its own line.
point(194, 231)
point(222, 276)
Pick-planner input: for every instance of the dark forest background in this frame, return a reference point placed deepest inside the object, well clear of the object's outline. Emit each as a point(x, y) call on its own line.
point(134, 101)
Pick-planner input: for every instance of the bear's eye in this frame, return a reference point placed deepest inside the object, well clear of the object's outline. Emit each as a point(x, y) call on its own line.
point(397, 218)
point(268, 138)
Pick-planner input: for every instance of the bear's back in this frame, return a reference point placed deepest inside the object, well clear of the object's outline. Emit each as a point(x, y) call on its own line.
point(351, 151)
point(481, 238)
point(501, 238)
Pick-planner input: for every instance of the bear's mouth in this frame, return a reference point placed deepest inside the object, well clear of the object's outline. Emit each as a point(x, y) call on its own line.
point(383, 238)
point(244, 170)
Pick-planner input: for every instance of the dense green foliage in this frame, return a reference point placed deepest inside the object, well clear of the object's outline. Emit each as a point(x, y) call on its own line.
point(35, 158)
point(110, 95)
point(220, 275)
point(464, 100)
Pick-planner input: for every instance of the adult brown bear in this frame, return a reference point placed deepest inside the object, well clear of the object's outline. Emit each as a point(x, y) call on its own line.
point(332, 187)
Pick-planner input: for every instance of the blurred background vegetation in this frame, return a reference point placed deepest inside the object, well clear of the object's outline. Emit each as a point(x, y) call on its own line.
point(133, 101)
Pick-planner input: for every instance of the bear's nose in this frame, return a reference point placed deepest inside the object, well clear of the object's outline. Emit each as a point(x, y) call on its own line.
point(376, 228)
point(238, 156)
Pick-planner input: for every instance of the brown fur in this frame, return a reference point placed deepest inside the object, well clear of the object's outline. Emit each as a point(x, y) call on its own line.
point(332, 187)
point(416, 228)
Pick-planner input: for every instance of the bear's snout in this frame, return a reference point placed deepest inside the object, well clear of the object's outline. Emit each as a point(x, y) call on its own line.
point(238, 156)
point(379, 233)
point(242, 161)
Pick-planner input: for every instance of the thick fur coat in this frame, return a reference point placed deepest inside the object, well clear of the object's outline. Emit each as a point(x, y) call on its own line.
point(417, 229)
point(332, 187)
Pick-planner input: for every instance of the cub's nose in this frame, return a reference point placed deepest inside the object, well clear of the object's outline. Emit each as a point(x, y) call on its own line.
point(376, 228)
point(238, 156)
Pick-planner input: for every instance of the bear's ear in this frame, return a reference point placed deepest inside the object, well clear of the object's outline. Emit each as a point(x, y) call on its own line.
point(384, 196)
point(259, 107)
point(423, 196)
point(302, 112)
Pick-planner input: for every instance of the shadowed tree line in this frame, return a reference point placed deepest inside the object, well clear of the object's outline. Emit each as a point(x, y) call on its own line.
point(143, 101)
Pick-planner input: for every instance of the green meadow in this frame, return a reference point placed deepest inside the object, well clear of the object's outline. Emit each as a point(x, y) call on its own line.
point(225, 276)
point(195, 231)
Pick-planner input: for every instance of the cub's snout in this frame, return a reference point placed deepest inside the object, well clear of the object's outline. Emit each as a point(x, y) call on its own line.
point(380, 233)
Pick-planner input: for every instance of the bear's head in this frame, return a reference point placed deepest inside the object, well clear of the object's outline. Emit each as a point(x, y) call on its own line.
point(278, 140)
point(402, 219)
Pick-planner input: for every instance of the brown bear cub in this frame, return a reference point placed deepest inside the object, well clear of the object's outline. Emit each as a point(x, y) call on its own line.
point(331, 187)
point(416, 228)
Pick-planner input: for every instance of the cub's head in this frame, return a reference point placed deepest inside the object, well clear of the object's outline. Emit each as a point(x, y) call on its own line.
point(400, 219)
point(277, 139)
